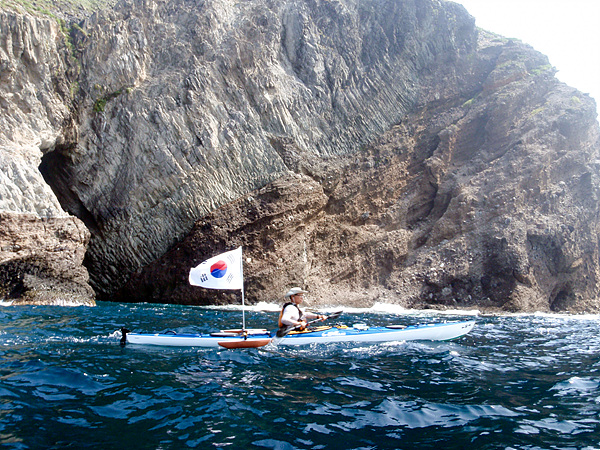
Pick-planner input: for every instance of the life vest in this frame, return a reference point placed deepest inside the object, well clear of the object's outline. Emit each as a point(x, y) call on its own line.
point(283, 309)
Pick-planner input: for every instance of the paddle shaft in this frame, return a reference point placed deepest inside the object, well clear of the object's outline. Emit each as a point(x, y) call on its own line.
point(285, 332)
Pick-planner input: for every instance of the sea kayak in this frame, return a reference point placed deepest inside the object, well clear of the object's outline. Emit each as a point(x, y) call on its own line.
point(358, 333)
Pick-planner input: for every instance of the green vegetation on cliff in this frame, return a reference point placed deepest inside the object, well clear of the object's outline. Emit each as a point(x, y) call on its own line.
point(56, 8)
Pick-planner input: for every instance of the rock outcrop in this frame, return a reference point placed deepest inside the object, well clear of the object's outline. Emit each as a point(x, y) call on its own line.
point(41, 246)
point(41, 260)
point(439, 212)
point(185, 106)
point(368, 150)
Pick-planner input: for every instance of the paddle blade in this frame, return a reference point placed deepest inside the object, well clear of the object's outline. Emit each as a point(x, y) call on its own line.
point(282, 333)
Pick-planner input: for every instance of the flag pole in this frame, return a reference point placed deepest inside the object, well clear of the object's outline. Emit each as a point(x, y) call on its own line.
point(242, 275)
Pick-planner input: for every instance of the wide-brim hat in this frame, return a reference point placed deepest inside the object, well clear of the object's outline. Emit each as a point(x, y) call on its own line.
point(294, 291)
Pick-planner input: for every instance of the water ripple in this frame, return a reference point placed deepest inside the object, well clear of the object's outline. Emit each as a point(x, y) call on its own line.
point(520, 382)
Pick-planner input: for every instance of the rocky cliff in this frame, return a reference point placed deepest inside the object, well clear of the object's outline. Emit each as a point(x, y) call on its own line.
point(41, 246)
point(368, 150)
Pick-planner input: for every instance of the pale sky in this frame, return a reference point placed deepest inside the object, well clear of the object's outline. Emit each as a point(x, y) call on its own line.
point(566, 31)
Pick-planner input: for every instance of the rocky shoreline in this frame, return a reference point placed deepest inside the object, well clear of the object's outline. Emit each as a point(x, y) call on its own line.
point(41, 261)
point(379, 150)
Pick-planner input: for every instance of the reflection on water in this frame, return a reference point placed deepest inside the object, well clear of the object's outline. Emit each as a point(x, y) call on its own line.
point(515, 382)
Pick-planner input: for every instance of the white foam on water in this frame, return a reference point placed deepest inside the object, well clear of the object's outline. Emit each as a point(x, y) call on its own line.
point(394, 309)
point(377, 308)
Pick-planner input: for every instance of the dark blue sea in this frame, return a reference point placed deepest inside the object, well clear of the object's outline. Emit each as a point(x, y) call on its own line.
point(515, 382)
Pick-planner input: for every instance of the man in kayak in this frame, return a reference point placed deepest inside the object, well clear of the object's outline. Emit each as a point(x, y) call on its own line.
point(291, 315)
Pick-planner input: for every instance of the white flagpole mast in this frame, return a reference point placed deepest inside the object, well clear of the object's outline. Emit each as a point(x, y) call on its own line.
point(243, 305)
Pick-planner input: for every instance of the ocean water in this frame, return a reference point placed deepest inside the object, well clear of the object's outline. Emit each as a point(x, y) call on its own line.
point(515, 382)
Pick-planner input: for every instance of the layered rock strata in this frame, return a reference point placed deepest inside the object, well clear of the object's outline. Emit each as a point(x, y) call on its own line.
point(461, 205)
point(488, 202)
point(369, 150)
point(187, 105)
point(41, 246)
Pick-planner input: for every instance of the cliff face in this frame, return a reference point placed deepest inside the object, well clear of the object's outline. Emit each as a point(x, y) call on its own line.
point(488, 202)
point(369, 150)
point(41, 247)
point(187, 105)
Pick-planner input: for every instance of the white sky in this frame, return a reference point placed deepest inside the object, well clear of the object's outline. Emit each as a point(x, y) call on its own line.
point(566, 31)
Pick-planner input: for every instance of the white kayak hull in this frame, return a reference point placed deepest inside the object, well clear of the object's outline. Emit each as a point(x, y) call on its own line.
point(357, 334)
